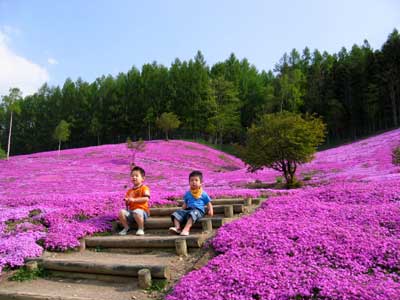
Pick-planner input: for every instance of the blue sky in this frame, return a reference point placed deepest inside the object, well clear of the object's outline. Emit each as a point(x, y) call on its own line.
point(49, 41)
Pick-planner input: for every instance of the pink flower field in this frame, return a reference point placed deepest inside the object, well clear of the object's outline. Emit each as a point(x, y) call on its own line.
point(54, 200)
point(335, 238)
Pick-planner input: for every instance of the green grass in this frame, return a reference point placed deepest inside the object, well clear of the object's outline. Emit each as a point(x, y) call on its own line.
point(23, 274)
point(34, 213)
point(99, 249)
point(103, 233)
point(157, 285)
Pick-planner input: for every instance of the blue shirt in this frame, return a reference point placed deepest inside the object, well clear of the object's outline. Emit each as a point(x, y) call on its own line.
point(192, 202)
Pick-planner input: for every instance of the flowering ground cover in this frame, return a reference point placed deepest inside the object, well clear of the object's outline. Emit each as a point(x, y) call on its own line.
point(338, 238)
point(50, 201)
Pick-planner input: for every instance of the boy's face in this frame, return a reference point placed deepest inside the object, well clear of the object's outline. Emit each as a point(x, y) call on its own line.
point(195, 182)
point(137, 178)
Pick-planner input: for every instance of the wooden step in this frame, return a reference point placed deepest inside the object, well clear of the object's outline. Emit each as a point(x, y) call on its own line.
point(104, 266)
point(230, 201)
point(14, 295)
point(165, 223)
point(194, 240)
point(218, 209)
point(69, 289)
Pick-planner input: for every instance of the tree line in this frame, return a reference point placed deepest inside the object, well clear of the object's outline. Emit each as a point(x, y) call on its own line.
point(356, 92)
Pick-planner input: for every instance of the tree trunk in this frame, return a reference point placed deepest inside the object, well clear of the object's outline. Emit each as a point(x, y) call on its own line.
point(292, 172)
point(289, 171)
point(394, 108)
point(9, 137)
point(59, 147)
point(285, 172)
point(149, 132)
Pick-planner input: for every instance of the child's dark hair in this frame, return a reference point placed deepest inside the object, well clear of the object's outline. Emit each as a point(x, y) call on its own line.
point(196, 174)
point(139, 169)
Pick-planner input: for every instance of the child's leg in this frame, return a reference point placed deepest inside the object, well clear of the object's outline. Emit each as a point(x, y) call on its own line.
point(139, 220)
point(122, 218)
point(188, 225)
point(178, 218)
point(177, 224)
point(140, 216)
point(193, 216)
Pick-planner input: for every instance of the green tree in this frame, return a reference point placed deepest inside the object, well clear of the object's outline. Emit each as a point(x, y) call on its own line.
point(390, 74)
point(13, 106)
point(2, 154)
point(61, 133)
point(167, 122)
point(95, 128)
point(2, 128)
point(150, 118)
point(2, 118)
point(282, 141)
point(227, 117)
point(291, 81)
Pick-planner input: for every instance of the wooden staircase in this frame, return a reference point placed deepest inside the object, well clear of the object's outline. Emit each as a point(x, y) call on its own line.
point(135, 260)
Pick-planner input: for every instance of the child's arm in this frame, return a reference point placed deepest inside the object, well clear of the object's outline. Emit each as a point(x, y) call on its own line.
point(210, 209)
point(138, 200)
point(184, 205)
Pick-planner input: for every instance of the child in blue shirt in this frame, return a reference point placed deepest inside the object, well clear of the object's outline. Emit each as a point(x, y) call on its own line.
point(193, 208)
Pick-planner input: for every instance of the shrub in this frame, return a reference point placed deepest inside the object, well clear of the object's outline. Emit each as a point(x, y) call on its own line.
point(294, 184)
point(283, 141)
point(23, 274)
point(396, 156)
point(3, 154)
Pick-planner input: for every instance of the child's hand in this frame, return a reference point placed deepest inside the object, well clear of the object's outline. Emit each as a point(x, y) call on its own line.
point(211, 212)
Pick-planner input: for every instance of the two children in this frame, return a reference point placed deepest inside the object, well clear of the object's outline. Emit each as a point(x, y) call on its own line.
point(137, 198)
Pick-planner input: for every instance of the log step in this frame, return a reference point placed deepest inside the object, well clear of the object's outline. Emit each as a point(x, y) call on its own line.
point(69, 289)
point(194, 240)
point(231, 201)
point(104, 266)
point(218, 209)
point(165, 222)
point(13, 295)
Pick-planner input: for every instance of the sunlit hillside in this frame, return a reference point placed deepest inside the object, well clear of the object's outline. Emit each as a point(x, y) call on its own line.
point(338, 235)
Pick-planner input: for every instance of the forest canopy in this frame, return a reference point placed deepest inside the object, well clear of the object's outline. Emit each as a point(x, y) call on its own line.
point(355, 91)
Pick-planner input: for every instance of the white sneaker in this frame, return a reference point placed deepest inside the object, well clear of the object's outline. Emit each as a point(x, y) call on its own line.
point(140, 232)
point(124, 231)
point(174, 230)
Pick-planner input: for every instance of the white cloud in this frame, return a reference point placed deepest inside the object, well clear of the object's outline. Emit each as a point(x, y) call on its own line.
point(52, 61)
point(17, 71)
